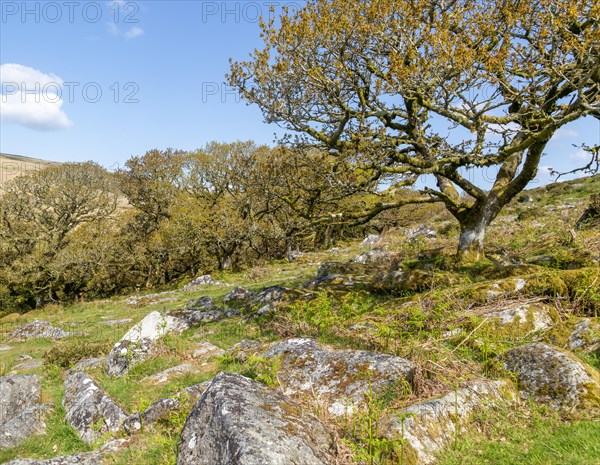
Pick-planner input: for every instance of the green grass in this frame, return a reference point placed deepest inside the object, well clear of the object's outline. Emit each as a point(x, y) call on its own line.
point(527, 436)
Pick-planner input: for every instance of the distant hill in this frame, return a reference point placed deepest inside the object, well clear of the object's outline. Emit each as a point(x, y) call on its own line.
point(12, 166)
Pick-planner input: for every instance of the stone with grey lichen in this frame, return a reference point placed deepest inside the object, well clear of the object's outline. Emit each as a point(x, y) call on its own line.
point(238, 421)
point(89, 409)
point(338, 379)
point(553, 377)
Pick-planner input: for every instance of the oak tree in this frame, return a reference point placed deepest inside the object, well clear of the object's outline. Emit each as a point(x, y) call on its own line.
point(411, 88)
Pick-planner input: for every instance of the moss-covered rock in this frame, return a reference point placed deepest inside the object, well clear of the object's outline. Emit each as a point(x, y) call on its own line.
point(428, 427)
point(554, 377)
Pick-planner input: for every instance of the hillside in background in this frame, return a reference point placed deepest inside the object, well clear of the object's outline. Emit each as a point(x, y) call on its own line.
point(12, 166)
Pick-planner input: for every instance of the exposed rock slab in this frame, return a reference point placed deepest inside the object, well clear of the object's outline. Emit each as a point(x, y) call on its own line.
point(586, 335)
point(522, 319)
point(376, 255)
point(553, 377)
point(18, 393)
point(430, 426)
point(85, 364)
point(240, 422)
point(27, 423)
point(371, 240)
point(39, 329)
point(171, 373)
point(206, 349)
point(238, 296)
point(194, 317)
point(138, 343)
point(90, 410)
point(338, 379)
point(21, 414)
point(85, 458)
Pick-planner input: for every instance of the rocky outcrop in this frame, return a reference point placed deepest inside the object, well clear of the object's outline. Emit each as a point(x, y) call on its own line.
point(85, 364)
point(170, 373)
point(89, 409)
point(90, 458)
point(521, 319)
point(138, 343)
point(421, 231)
point(206, 349)
point(39, 329)
point(85, 458)
point(18, 393)
point(586, 335)
point(240, 422)
point(342, 276)
point(201, 281)
point(196, 317)
point(428, 427)
point(27, 423)
point(551, 376)
point(239, 296)
point(21, 414)
point(376, 255)
point(337, 379)
point(371, 240)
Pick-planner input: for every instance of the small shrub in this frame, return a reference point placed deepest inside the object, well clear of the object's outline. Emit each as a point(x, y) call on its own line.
point(65, 355)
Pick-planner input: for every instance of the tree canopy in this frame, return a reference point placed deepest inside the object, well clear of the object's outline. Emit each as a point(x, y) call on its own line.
point(406, 88)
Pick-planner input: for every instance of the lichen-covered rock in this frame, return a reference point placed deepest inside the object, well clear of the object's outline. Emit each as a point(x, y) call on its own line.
point(586, 335)
point(21, 414)
point(520, 320)
point(339, 379)
point(85, 458)
point(268, 296)
point(376, 255)
point(202, 304)
point(204, 280)
point(88, 458)
point(194, 317)
point(400, 281)
point(430, 426)
point(89, 409)
point(169, 373)
point(240, 422)
point(238, 296)
point(206, 349)
point(27, 423)
point(343, 276)
point(371, 240)
point(138, 343)
point(25, 366)
point(421, 231)
point(553, 377)
point(39, 329)
point(85, 364)
point(18, 393)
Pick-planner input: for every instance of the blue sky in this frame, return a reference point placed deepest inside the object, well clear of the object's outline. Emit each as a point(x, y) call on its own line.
point(160, 66)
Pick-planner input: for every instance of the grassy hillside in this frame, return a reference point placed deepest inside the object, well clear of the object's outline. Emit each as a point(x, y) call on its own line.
point(16, 165)
point(438, 326)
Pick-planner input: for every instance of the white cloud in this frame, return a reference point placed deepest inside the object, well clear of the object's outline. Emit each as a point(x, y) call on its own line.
point(580, 157)
point(565, 133)
point(113, 29)
point(31, 98)
point(134, 32)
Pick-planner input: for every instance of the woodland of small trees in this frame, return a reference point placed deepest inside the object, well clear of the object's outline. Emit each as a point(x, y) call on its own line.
point(373, 96)
point(75, 231)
